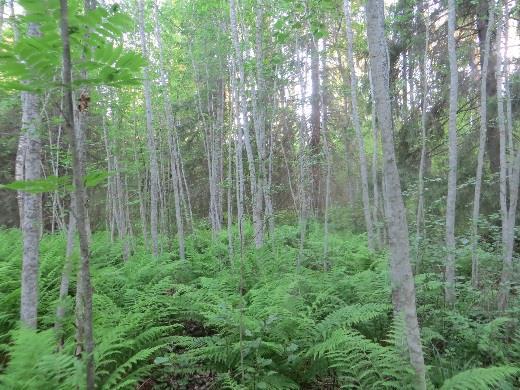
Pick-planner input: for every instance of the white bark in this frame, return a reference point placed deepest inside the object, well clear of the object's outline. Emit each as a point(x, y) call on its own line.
point(481, 148)
point(376, 209)
point(419, 221)
point(172, 141)
point(509, 172)
point(403, 289)
point(363, 167)
point(230, 203)
point(31, 204)
point(152, 151)
point(256, 194)
point(303, 178)
point(260, 102)
point(328, 157)
point(452, 157)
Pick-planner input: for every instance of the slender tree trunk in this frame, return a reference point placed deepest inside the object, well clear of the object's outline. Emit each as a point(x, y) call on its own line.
point(256, 195)
point(239, 167)
point(509, 168)
point(172, 141)
point(154, 164)
point(20, 151)
point(31, 203)
point(85, 345)
point(315, 128)
point(328, 157)
point(363, 166)
point(419, 221)
point(452, 157)
point(481, 149)
point(66, 273)
point(2, 7)
point(260, 103)
point(376, 207)
point(230, 203)
point(303, 196)
point(403, 289)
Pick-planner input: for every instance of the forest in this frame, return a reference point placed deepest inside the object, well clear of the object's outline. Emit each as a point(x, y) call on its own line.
point(259, 194)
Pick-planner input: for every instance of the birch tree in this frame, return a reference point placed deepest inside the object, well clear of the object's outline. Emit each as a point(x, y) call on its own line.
point(260, 102)
point(256, 194)
point(152, 151)
point(401, 276)
point(172, 141)
point(509, 170)
point(419, 221)
point(481, 148)
point(363, 167)
point(31, 204)
point(452, 157)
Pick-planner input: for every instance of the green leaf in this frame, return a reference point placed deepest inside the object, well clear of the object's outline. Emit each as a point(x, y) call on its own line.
point(49, 184)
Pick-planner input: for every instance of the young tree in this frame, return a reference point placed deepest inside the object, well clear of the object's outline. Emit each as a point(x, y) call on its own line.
point(152, 150)
point(452, 157)
point(403, 289)
point(86, 344)
point(172, 139)
point(363, 167)
point(419, 222)
point(509, 169)
point(31, 204)
point(481, 148)
point(256, 190)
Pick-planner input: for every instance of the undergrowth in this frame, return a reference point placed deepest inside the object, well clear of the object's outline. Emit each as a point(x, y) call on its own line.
point(249, 321)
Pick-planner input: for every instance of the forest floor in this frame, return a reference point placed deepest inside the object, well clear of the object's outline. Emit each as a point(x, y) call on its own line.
point(251, 320)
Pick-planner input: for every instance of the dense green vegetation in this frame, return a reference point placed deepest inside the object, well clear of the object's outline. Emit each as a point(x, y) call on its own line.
point(168, 323)
point(259, 194)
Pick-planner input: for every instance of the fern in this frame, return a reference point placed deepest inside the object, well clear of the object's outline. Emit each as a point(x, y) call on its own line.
point(481, 378)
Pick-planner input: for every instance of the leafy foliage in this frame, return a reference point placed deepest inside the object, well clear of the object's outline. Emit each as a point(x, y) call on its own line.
point(172, 323)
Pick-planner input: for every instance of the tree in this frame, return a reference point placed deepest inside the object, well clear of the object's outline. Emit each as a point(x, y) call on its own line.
point(452, 156)
point(401, 276)
point(256, 190)
point(172, 138)
point(30, 149)
point(363, 167)
point(85, 346)
point(481, 148)
point(509, 169)
point(152, 150)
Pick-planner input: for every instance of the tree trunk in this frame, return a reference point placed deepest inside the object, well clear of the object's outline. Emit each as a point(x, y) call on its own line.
point(172, 144)
point(303, 196)
point(154, 164)
point(31, 203)
point(481, 149)
point(256, 195)
point(315, 136)
point(328, 157)
point(509, 168)
point(260, 103)
point(452, 157)
point(357, 127)
point(376, 207)
point(403, 289)
point(65, 276)
point(419, 221)
point(85, 345)
point(492, 132)
point(2, 7)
